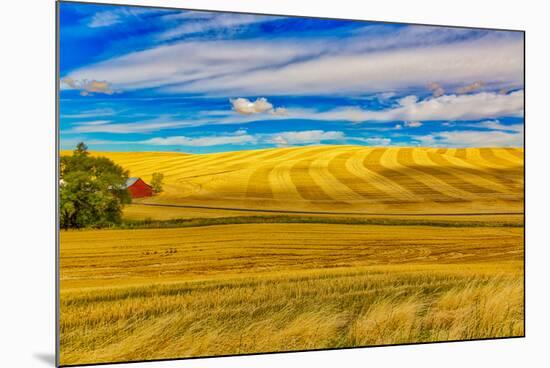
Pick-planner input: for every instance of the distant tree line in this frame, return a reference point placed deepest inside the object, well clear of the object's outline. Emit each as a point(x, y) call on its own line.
point(92, 190)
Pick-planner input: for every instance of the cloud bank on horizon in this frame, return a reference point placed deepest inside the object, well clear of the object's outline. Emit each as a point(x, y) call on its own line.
point(158, 79)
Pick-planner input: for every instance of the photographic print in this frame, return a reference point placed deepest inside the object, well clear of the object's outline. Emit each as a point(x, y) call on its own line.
point(236, 183)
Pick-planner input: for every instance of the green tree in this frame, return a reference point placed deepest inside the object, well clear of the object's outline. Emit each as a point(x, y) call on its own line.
point(92, 190)
point(157, 182)
point(81, 149)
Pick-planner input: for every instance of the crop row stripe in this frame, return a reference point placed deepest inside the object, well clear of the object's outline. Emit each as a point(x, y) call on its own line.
point(518, 153)
point(510, 176)
point(305, 185)
point(429, 163)
point(469, 173)
point(280, 179)
point(214, 162)
point(415, 181)
point(461, 153)
point(320, 173)
point(366, 181)
point(506, 154)
point(386, 165)
point(490, 155)
point(431, 176)
point(259, 184)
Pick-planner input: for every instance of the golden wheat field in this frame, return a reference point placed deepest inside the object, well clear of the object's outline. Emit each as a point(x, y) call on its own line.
point(350, 179)
point(230, 289)
point(234, 288)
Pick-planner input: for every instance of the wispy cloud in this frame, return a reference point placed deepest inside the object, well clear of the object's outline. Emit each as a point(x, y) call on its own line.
point(241, 137)
point(498, 61)
point(470, 138)
point(482, 105)
point(289, 66)
point(497, 125)
point(158, 124)
point(108, 18)
point(104, 19)
point(376, 141)
point(201, 22)
point(93, 123)
point(147, 126)
point(236, 139)
point(89, 114)
point(412, 124)
point(303, 137)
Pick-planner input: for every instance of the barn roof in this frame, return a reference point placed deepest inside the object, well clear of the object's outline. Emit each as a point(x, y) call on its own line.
point(131, 181)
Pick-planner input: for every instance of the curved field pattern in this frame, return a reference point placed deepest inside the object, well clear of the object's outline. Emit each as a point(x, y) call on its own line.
point(299, 248)
point(351, 179)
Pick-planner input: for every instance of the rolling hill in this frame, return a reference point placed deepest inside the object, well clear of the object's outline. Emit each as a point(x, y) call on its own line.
point(352, 179)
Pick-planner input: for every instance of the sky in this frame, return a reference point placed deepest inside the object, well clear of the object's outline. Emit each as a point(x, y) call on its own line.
point(151, 79)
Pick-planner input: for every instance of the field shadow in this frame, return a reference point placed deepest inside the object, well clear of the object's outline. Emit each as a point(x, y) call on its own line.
point(47, 358)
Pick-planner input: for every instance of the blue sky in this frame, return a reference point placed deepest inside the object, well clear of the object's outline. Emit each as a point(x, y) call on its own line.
point(146, 79)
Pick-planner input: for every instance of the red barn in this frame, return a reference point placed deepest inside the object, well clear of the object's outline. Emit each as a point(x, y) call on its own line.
point(138, 188)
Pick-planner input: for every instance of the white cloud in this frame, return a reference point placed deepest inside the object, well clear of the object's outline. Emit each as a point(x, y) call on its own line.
point(413, 124)
point(93, 123)
point(241, 132)
point(303, 137)
point(110, 17)
point(496, 125)
point(281, 111)
point(500, 62)
point(408, 101)
point(245, 106)
point(482, 105)
point(261, 105)
point(270, 67)
point(88, 87)
point(470, 138)
point(185, 62)
point(201, 141)
point(104, 19)
point(376, 141)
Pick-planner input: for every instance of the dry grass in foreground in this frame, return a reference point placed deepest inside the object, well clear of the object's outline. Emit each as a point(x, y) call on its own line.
point(313, 310)
point(246, 288)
